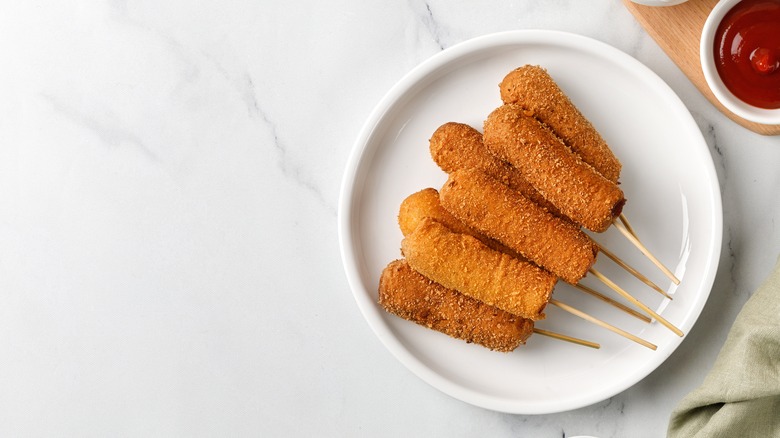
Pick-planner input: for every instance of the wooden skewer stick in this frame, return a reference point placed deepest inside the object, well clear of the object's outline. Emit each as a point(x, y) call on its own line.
point(645, 251)
point(567, 338)
point(601, 323)
point(632, 271)
point(609, 300)
point(626, 224)
point(636, 302)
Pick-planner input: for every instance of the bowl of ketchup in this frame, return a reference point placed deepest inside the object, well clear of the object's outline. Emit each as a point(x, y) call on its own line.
point(740, 58)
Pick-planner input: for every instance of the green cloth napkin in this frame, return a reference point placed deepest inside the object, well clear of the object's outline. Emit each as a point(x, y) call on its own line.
point(740, 397)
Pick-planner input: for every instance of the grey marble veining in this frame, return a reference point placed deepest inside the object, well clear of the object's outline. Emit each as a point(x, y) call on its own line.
point(169, 259)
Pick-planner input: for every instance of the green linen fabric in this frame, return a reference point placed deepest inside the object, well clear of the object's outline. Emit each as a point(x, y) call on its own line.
point(740, 396)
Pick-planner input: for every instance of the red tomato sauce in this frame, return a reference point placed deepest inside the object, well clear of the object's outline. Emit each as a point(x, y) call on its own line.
point(747, 52)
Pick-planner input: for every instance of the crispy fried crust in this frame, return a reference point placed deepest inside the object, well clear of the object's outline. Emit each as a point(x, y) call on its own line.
point(426, 204)
point(507, 216)
point(461, 262)
point(455, 146)
point(575, 187)
point(532, 88)
point(411, 296)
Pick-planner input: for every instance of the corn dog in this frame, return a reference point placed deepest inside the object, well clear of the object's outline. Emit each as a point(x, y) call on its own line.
point(507, 216)
point(411, 296)
point(463, 263)
point(560, 175)
point(456, 146)
point(532, 88)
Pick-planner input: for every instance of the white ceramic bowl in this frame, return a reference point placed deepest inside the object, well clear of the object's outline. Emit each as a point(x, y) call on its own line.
point(724, 96)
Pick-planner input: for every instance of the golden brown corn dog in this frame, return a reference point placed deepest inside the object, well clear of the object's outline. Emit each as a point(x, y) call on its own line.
point(575, 187)
point(408, 294)
point(426, 204)
point(532, 88)
point(456, 146)
point(507, 216)
point(463, 263)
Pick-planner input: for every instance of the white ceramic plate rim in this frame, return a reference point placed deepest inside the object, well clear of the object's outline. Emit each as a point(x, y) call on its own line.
point(351, 251)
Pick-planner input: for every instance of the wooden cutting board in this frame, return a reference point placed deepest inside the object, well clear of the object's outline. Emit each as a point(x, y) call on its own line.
point(677, 29)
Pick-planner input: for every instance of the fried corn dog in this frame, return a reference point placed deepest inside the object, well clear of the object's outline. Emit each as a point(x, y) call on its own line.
point(463, 263)
point(426, 204)
point(532, 88)
point(503, 214)
point(560, 175)
point(408, 294)
point(456, 146)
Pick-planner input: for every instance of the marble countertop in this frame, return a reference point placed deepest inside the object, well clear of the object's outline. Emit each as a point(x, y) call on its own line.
point(169, 257)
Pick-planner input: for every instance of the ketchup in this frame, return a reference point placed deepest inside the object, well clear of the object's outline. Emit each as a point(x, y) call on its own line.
point(747, 52)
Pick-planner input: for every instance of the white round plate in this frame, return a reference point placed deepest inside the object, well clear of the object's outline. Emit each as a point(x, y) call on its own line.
point(673, 204)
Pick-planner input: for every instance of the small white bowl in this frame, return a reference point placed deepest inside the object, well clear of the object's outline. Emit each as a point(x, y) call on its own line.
point(724, 96)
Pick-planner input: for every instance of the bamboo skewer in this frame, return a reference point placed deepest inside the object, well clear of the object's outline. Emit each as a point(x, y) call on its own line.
point(601, 323)
point(622, 228)
point(631, 270)
point(567, 338)
point(624, 219)
point(636, 302)
point(609, 300)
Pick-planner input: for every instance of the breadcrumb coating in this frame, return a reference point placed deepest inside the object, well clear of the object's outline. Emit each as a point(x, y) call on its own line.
point(408, 294)
point(576, 188)
point(534, 89)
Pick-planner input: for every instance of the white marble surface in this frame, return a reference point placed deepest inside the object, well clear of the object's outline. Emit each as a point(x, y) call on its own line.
point(169, 180)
